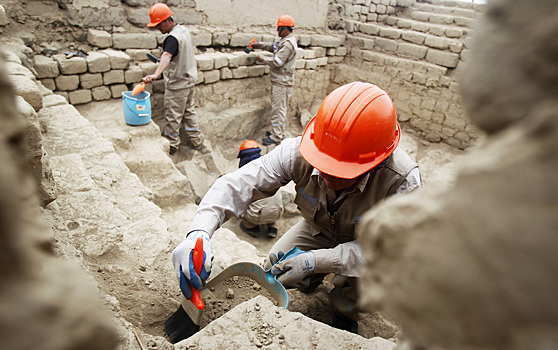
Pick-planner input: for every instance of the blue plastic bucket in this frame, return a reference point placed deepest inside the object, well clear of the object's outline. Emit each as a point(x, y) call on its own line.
point(137, 109)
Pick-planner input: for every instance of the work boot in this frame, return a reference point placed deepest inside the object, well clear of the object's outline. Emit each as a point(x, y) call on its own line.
point(272, 232)
point(266, 141)
point(202, 149)
point(254, 231)
point(173, 150)
point(345, 324)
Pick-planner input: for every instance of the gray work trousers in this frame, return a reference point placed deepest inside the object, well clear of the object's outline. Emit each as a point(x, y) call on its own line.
point(280, 95)
point(265, 211)
point(344, 295)
point(179, 110)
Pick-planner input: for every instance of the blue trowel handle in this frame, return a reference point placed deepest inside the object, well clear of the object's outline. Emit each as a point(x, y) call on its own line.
point(288, 254)
point(269, 276)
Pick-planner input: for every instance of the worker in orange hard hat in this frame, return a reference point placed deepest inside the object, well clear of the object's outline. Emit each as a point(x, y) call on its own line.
point(260, 217)
point(345, 163)
point(282, 68)
point(178, 67)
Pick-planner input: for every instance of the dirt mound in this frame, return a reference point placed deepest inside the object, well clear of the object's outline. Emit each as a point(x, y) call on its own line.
point(229, 294)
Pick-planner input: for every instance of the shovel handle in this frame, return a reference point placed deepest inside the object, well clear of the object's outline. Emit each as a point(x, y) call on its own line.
point(197, 257)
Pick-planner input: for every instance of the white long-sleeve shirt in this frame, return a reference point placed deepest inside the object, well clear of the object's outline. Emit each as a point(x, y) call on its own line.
point(231, 194)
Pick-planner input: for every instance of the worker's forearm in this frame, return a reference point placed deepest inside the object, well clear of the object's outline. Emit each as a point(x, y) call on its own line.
point(272, 62)
point(280, 57)
point(264, 46)
point(163, 64)
point(231, 194)
point(345, 259)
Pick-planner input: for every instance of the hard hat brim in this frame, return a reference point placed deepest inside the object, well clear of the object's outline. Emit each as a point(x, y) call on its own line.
point(332, 166)
point(155, 24)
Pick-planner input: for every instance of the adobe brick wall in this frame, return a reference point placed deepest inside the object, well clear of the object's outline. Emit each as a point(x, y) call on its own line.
point(415, 50)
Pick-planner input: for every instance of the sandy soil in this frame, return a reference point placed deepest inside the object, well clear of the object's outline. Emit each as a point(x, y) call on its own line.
point(315, 305)
point(229, 294)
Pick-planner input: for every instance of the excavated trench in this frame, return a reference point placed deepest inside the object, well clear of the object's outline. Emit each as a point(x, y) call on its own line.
point(124, 204)
point(115, 204)
point(148, 296)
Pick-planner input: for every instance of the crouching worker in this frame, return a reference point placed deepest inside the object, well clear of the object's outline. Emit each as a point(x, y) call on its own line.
point(261, 215)
point(346, 162)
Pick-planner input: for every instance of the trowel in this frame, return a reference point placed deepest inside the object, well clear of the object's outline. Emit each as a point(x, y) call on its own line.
point(249, 47)
point(246, 269)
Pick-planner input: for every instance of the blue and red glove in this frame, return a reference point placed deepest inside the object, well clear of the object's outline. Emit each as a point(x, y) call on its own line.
point(184, 265)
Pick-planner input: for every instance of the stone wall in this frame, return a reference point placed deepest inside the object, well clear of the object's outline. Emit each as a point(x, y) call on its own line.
point(411, 49)
point(414, 51)
point(227, 77)
point(108, 13)
point(307, 13)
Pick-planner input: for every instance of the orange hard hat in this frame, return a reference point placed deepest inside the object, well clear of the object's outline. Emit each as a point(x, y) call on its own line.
point(285, 21)
point(158, 13)
point(248, 144)
point(354, 130)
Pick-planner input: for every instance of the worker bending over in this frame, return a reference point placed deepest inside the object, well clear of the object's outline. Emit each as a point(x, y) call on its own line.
point(346, 162)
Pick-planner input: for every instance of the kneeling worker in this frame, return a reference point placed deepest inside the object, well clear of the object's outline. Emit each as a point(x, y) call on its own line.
point(262, 214)
point(346, 162)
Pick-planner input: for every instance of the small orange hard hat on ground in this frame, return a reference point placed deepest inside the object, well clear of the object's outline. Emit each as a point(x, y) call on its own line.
point(354, 130)
point(158, 13)
point(248, 144)
point(285, 21)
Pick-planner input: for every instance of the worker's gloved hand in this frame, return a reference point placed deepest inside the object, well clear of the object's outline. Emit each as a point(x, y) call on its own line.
point(184, 265)
point(274, 258)
point(293, 269)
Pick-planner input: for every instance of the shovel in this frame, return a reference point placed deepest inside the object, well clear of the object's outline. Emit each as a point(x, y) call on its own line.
point(181, 324)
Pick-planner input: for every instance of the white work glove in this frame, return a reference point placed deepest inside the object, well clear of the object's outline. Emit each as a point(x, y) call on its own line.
point(184, 265)
point(293, 269)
